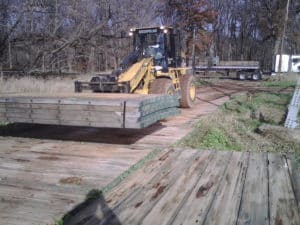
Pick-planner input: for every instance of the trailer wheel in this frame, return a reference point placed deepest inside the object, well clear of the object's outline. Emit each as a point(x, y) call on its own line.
point(162, 86)
point(241, 76)
point(188, 91)
point(256, 76)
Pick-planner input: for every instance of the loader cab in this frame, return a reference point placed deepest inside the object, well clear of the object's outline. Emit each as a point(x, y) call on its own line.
point(161, 43)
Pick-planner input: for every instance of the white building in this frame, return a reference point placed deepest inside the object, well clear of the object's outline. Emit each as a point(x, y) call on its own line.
point(289, 63)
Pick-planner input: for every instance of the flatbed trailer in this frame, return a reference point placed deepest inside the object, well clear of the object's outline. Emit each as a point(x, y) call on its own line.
point(243, 69)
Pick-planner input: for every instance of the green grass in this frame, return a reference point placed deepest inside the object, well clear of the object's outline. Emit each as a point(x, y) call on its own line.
point(2, 124)
point(58, 222)
point(246, 103)
point(246, 123)
point(252, 124)
point(284, 83)
point(204, 137)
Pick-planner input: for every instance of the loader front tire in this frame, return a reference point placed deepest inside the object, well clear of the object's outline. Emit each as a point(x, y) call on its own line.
point(162, 86)
point(188, 91)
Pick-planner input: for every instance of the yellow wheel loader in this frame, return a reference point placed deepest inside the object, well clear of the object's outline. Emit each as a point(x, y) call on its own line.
point(154, 67)
point(151, 75)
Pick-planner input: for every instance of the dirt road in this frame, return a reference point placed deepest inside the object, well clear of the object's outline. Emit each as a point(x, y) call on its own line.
point(46, 170)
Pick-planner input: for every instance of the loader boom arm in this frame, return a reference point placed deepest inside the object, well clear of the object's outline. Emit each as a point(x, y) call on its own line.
point(138, 76)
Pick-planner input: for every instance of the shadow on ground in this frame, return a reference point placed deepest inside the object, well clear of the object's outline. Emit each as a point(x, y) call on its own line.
point(93, 211)
point(81, 134)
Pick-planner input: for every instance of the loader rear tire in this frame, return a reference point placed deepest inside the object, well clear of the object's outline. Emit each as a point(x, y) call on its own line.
point(188, 91)
point(162, 86)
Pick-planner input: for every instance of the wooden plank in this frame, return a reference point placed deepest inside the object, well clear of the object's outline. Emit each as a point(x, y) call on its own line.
point(35, 149)
point(70, 101)
point(37, 197)
point(74, 116)
point(50, 115)
point(80, 98)
point(18, 115)
point(18, 110)
point(3, 115)
point(87, 99)
point(145, 197)
point(30, 170)
point(85, 95)
point(196, 206)
point(53, 192)
point(96, 108)
point(30, 111)
point(71, 109)
point(282, 200)
point(163, 161)
point(225, 206)
point(254, 205)
point(63, 107)
point(92, 120)
point(30, 105)
point(90, 116)
point(18, 119)
point(295, 176)
point(140, 112)
point(171, 203)
point(2, 108)
point(48, 182)
point(32, 116)
point(83, 123)
point(32, 210)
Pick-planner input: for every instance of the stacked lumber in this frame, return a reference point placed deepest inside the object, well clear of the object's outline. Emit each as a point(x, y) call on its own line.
point(88, 109)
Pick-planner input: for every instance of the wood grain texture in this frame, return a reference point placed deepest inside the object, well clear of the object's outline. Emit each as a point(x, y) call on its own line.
point(225, 205)
point(254, 204)
point(205, 188)
point(92, 110)
point(282, 200)
point(44, 179)
point(197, 204)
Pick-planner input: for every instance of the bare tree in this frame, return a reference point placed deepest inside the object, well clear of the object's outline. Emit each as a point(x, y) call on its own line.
point(88, 36)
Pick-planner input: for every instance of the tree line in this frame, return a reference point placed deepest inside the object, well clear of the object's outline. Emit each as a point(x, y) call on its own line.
point(52, 36)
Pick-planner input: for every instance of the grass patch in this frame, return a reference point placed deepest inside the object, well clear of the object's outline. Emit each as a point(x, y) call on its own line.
point(3, 124)
point(282, 83)
point(217, 138)
point(39, 84)
point(249, 122)
point(58, 222)
point(205, 136)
